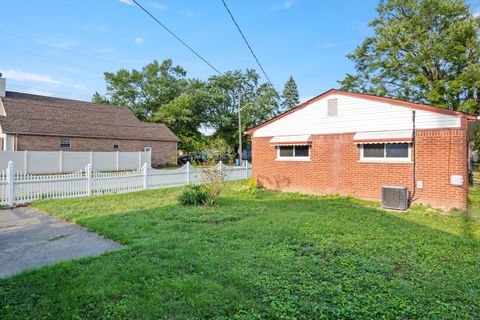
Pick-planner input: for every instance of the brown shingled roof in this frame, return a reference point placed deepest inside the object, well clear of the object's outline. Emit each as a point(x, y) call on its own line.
point(40, 115)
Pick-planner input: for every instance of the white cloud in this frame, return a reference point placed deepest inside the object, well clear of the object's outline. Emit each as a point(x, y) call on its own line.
point(476, 14)
point(139, 40)
point(38, 78)
point(129, 2)
point(19, 75)
point(284, 5)
point(158, 6)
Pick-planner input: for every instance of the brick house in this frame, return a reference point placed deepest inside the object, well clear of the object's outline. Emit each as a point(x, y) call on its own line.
point(353, 144)
point(38, 123)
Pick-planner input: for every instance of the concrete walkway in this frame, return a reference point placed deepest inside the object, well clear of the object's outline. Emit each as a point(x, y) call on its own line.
point(29, 239)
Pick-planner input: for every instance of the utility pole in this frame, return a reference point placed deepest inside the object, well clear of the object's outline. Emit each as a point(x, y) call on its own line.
point(240, 108)
point(240, 151)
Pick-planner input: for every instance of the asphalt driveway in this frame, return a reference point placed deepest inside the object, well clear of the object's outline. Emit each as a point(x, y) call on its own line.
point(29, 239)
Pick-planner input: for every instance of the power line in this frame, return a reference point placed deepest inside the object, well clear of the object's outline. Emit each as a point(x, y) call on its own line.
point(176, 37)
point(57, 48)
point(246, 42)
point(40, 91)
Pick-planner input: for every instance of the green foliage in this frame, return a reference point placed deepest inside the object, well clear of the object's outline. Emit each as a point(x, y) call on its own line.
point(144, 91)
point(193, 195)
point(267, 255)
point(425, 51)
point(252, 183)
point(290, 94)
point(161, 92)
point(261, 98)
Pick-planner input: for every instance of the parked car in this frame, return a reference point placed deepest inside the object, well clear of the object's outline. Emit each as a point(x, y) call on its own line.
point(197, 158)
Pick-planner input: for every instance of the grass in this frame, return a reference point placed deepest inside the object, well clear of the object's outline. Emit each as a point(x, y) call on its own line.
point(257, 255)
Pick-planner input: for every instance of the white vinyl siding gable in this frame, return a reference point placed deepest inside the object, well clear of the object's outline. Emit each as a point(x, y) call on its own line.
point(354, 115)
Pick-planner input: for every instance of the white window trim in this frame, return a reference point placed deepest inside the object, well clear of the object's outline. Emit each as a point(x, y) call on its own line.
point(385, 159)
point(280, 158)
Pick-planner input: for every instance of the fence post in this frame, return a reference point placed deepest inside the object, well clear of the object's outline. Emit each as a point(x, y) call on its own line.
point(246, 169)
point(91, 159)
point(10, 184)
point(118, 161)
point(61, 161)
point(88, 172)
point(145, 176)
point(188, 172)
point(25, 161)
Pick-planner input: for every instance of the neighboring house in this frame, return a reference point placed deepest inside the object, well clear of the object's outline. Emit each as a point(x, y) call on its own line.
point(353, 144)
point(38, 123)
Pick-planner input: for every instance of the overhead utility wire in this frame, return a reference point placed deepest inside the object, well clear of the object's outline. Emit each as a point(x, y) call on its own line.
point(177, 37)
point(246, 42)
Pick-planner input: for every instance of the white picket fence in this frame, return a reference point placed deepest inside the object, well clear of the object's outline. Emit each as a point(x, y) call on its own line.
point(18, 187)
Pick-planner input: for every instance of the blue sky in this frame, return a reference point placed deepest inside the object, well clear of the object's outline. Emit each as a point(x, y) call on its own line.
point(62, 48)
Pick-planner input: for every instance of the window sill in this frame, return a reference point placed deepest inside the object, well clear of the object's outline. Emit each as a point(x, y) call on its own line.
point(385, 161)
point(293, 159)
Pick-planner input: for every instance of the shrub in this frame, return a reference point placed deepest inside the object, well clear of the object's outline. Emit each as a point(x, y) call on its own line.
point(252, 184)
point(194, 195)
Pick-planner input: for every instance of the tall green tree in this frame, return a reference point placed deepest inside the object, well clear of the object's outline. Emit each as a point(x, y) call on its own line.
point(425, 51)
point(261, 102)
point(290, 94)
point(161, 92)
point(144, 91)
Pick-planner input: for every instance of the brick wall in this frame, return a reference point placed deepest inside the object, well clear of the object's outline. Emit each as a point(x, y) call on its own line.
point(334, 167)
point(162, 151)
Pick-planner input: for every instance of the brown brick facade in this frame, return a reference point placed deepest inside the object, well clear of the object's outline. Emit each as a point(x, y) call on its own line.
point(334, 168)
point(162, 151)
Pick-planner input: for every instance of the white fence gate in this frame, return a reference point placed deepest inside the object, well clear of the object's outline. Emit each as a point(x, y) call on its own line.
point(17, 187)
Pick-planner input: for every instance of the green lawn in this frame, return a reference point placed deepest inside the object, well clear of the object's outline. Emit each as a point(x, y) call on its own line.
point(261, 255)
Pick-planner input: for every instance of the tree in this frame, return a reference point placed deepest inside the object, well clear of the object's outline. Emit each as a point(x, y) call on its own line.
point(424, 51)
point(161, 92)
point(290, 94)
point(261, 98)
point(144, 91)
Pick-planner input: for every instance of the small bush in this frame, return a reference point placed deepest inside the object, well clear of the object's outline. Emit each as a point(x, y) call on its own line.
point(252, 184)
point(194, 195)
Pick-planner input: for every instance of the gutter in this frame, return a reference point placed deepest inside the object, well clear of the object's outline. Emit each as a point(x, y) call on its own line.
point(83, 136)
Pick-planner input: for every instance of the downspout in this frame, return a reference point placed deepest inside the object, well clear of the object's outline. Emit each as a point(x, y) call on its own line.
point(414, 142)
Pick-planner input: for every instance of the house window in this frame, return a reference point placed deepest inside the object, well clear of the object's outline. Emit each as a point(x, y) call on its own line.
point(65, 143)
point(332, 107)
point(300, 152)
point(116, 145)
point(386, 151)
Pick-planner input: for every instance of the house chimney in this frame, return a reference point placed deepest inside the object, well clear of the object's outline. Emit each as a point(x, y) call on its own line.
point(3, 86)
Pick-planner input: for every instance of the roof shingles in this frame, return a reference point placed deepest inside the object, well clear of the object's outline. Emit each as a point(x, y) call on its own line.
point(40, 115)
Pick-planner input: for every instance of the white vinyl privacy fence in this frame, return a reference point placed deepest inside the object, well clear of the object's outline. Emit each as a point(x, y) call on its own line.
point(47, 162)
point(17, 187)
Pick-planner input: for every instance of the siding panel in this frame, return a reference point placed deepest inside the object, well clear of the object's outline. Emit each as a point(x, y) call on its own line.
point(354, 115)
